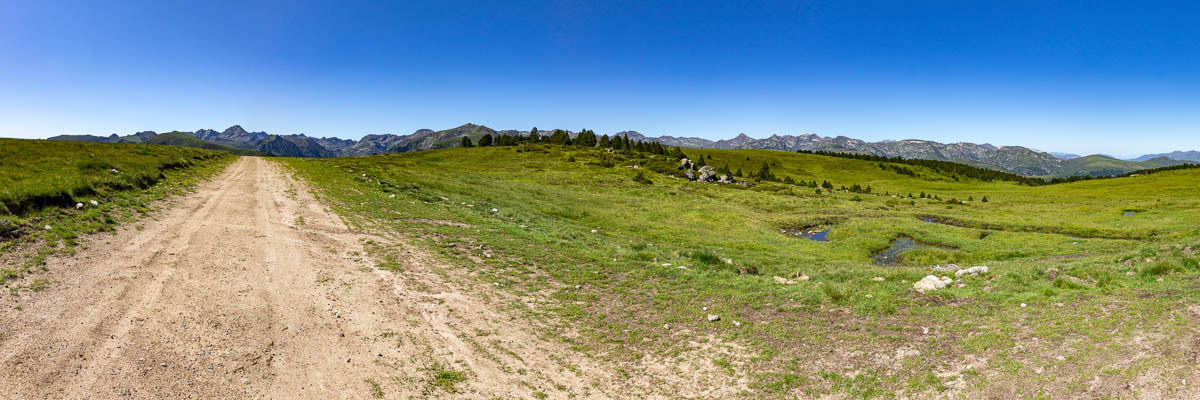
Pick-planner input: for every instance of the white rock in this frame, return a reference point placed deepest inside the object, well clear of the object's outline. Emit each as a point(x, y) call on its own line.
point(1022, 305)
point(666, 264)
point(982, 269)
point(877, 279)
point(495, 211)
point(930, 283)
point(94, 203)
point(713, 318)
point(593, 231)
point(736, 323)
point(78, 206)
point(48, 227)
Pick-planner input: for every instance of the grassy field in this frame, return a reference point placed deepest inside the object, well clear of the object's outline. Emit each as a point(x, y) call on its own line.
point(52, 192)
point(1088, 292)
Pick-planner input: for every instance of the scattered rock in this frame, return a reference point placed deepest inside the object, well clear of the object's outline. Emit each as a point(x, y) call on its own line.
point(976, 270)
point(494, 210)
point(1128, 263)
point(114, 170)
point(736, 323)
point(802, 277)
point(783, 281)
point(78, 206)
point(593, 231)
point(1130, 273)
point(690, 175)
point(1022, 305)
point(685, 164)
point(728, 260)
point(96, 203)
point(870, 296)
point(877, 279)
point(1051, 274)
point(726, 178)
point(713, 318)
point(48, 227)
point(931, 283)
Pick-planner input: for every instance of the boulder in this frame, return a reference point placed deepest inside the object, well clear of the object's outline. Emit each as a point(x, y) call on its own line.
point(713, 318)
point(685, 164)
point(78, 206)
point(784, 281)
point(707, 174)
point(726, 178)
point(931, 283)
point(690, 175)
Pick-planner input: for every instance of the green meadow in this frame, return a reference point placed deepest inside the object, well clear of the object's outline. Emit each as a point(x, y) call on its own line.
point(42, 182)
point(1088, 284)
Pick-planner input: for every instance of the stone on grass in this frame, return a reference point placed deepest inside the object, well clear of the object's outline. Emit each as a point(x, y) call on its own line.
point(707, 174)
point(877, 279)
point(94, 203)
point(783, 281)
point(48, 227)
point(931, 283)
point(78, 206)
point(976, 270)
point(713, 318)
point(944, 268)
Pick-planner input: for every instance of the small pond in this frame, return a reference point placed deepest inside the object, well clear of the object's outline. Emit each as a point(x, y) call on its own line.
point(1128, 213)
point(891, 255)
point(816, 235)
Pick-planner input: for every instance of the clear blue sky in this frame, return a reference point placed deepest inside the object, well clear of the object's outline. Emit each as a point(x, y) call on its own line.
point(1080, 76)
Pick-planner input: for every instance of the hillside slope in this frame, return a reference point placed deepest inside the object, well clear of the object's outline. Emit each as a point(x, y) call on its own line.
point(631, 259)
point(185, 140)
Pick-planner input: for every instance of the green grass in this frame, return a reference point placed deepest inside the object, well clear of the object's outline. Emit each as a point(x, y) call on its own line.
point(41, 182)
point(671, 252)
point(445, 378)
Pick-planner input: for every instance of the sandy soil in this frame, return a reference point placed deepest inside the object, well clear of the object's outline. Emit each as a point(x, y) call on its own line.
point(249, 288)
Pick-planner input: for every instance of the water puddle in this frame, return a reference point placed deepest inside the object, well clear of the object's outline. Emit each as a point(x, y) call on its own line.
point(816, 235)
point(899, 245)
point(1128, 213)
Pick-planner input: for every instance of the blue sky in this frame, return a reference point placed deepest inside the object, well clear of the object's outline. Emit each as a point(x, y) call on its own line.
point(1080, 76)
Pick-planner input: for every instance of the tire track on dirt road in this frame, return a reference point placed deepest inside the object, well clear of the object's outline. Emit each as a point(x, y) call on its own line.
point(248, 288)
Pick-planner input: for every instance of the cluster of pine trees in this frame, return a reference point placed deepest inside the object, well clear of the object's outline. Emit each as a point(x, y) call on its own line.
point(585, 138)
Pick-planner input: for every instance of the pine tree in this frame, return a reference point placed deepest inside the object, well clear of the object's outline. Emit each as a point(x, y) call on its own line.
point(486, 140)
point(466, 141)
point(533, 135)
point(604, 142)
point(984, 199)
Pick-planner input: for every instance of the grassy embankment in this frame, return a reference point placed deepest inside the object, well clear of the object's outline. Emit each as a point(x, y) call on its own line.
point(1113, 310)
point(41, 182)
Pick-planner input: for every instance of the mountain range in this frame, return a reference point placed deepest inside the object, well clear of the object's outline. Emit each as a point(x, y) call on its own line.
point(1016, 159)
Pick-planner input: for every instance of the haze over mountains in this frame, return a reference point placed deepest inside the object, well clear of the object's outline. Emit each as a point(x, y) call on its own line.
point(1016, 159)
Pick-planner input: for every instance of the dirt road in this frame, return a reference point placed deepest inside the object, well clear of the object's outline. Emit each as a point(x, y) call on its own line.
point(250, 289)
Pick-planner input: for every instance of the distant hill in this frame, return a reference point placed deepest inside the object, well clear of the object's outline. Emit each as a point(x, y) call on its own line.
point(1064, 156)
point(1174, 155)
point(1100, 165)
point(187, 140)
